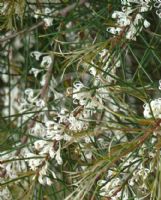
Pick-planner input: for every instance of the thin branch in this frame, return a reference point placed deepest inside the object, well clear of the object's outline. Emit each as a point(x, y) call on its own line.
point(43, 95)
point(26, 30)
point(46, 85)
point(64, 12)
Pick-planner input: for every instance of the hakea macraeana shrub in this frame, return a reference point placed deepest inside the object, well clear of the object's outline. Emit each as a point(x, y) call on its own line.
point(85, 113)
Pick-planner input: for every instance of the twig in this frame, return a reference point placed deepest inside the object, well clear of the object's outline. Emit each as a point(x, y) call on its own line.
point(43, 94)
point(46, 85)
point(64, 12)
point(22, 32)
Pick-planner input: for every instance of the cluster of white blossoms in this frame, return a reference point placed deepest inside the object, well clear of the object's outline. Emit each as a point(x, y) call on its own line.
point(134, 172)
point(5, 194)
point(12, 165)
point(50, 133)
point(130, 20)
point(153, 108)
point(112, 187)
point(46, 15)
point(157, 5)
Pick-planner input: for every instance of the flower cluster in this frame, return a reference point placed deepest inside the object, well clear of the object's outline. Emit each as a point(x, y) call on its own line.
point(46, 16)
point(153, 109)
point(130, 20)
point(134, 172)
point(157, 5)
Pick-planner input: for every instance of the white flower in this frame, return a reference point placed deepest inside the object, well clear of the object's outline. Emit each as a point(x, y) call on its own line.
point(40, 103)
point(93, 71)
point(131, 181)
point(67, 137)
point(83, 97)
point(36, 54)
point(46, 62)
point(45, 147)
point(5, 194)
point(114, 31)
point(49, 124)
point(143, 172)
point(77, 124)
point(40, 165)
point(78, 86)
point(14, 167)
point(48, 20)
point(87, 154)
point(136, 27)
point(89, 139)
point(154, 109)
point(54, 130)
point(34, 162)
point(58, 157)
point(108, 188)
point(123, 18)
point(38, 130)
point(79, 95)
point(29, 92)
point(44, 180)
point(42, 177)
point(43, 80)
point(157, 5)
point(104, 54)
point(44, 171)
point(146, 23)
point(101, 182)
point(143, 5)
point(30, 95)
point(37, 13)
point(35, 71)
